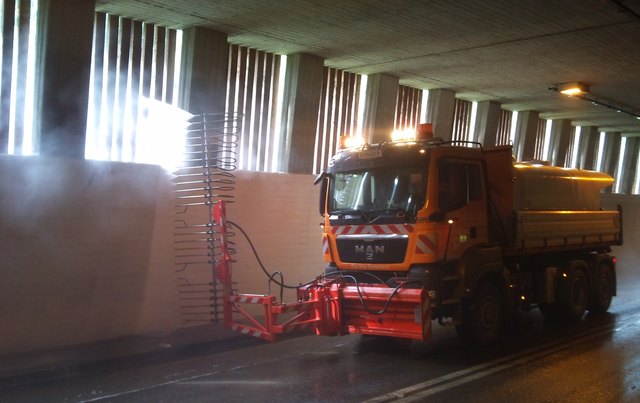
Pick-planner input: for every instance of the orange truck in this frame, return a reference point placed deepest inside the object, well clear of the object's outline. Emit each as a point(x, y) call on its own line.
point(419, 230)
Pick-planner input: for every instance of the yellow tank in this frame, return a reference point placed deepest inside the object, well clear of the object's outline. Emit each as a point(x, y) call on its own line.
point(541, 187)
point(542, 207)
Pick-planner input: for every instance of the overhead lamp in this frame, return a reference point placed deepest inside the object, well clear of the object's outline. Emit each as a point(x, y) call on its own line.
point(580, 90)
point(570, 89)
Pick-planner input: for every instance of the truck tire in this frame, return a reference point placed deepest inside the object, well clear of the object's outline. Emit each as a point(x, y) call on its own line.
point(482, 315)
point(573, 295)
point(603, 293)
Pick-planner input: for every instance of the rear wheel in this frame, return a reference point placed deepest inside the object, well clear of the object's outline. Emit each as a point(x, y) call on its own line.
point(483, 315)
point(603, 293)
point(573, 295)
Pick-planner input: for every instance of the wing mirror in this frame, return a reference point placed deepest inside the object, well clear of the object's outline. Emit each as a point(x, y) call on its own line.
point(323, 190)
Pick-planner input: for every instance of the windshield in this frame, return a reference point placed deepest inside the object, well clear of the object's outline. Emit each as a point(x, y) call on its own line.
point(383, 191)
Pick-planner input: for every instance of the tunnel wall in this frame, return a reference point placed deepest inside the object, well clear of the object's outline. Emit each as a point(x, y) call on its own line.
point(628, 254)
point(85, 252)
point(87, 247)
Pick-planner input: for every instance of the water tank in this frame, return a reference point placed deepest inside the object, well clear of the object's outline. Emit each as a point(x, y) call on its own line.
point(541, 187)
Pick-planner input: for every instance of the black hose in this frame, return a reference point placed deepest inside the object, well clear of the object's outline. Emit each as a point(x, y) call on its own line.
point(266, 272)
point(387, 302)
point(378, 279)
point(341, 275)
point(277, 273)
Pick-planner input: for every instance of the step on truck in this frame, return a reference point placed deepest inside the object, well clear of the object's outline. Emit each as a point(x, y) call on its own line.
point(420, 230)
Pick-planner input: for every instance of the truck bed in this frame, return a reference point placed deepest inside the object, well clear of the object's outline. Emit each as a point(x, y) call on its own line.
point(534, 231)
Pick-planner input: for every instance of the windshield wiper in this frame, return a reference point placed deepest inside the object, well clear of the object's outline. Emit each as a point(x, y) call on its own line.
point(387, 212)
point(360, 213)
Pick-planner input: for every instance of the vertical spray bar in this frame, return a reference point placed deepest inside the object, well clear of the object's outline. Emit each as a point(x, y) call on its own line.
point(204, 178)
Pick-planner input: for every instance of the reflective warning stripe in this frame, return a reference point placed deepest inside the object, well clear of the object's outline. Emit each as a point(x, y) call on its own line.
point(249, 299)
point(426, 319)
point(401, 229)
point(325, 245)
point(249, 331)
point(425, 244)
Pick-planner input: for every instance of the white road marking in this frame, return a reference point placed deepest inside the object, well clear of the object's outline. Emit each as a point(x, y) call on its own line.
point(422, 390)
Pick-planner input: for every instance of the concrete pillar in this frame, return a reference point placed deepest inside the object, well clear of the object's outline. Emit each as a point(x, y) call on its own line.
point(525, 137)
point(611, 155)
point(62, 87)
point(589, 137)
point(487, 120)
point(629, 172)
point(611, 152)
point(560, 140)
point(302, 88)
point(205, 61)
point(380, 107)
point(440, 110)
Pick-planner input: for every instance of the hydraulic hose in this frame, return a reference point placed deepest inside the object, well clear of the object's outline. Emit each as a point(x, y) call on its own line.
point(271, 276)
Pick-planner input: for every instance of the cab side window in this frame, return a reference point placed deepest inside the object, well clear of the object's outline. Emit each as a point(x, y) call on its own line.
point(459, 183)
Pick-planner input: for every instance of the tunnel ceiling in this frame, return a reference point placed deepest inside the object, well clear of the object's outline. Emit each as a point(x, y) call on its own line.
point(507, 51)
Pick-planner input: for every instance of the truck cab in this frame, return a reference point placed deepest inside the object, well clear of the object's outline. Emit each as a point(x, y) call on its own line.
point(394, 207)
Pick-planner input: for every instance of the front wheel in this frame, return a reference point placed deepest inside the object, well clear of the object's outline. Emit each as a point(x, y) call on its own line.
point(482, 315)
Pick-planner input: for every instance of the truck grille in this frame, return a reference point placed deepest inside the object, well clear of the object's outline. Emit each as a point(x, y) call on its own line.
point(372, 248)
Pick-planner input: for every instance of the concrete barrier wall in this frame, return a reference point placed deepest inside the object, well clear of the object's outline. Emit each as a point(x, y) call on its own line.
point(87, 248)
point(628, 254)
point(85, 252)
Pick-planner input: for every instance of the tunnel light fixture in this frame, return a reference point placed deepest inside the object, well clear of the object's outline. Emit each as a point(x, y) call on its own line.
point(571, 89)
point(581, 90)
